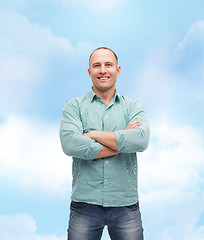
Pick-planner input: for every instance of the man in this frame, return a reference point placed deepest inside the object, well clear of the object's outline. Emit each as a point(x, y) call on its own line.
point(102, 131)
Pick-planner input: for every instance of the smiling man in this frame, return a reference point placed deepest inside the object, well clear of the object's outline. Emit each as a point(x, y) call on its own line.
point(103, 131)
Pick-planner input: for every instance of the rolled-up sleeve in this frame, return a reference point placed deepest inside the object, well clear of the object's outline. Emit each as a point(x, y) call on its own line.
point(134, 140)
point(71, 129)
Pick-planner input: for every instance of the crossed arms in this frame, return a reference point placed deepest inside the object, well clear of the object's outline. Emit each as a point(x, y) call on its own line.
point(108, 140)
point(101, 144)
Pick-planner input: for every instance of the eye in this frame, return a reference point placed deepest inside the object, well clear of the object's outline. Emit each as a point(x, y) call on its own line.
point(108, 64)
point(96, 65)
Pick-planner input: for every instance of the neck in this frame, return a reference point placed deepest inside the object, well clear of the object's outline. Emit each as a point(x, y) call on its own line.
point(106, 96)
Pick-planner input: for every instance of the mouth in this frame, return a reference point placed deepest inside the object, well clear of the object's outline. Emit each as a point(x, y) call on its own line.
point(103, 78)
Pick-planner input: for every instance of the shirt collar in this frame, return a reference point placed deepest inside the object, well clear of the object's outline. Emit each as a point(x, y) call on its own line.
point(117, 96)
point(93, 96)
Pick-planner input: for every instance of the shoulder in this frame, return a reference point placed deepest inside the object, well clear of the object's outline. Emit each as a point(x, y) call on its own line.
point(127, 100)
point(130, 104)
point(77, 102)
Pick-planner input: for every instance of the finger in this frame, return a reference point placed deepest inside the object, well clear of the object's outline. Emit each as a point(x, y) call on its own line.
point(132, 127)
point(133, 124)
point(136, 124)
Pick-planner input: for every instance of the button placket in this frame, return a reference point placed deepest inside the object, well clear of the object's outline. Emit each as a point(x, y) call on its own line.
point(106, 177)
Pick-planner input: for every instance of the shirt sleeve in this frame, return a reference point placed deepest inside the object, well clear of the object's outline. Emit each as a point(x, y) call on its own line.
point(134, 140)
point(71, 129)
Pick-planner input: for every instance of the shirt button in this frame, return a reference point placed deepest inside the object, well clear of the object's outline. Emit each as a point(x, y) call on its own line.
point(106, 180)
point(106, 161)
point(105, 116)
point(104, 105)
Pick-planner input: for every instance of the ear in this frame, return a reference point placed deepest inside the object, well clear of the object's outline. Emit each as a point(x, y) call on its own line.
point(89, 72)
point(118, 70)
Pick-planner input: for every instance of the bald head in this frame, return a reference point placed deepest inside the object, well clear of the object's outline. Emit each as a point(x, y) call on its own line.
point(108, 49)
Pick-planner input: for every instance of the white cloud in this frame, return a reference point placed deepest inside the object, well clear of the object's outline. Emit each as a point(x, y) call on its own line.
point(29, 54)
point(25, 53)
point(178, 151)
point(22, 227)
point(99, 6)
point(193, 38)
point(154, 78)
point(21, 38)
point(171, 182)
point(189, 54)
point(171, 79)
point(31, 155)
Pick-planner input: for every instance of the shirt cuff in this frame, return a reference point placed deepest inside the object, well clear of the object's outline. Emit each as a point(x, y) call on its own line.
point(93, 150)
point(119, 139)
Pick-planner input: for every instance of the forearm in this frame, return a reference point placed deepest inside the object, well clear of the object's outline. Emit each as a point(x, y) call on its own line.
point(106, 152)
point(105, 138)
point(71, 128)
point(76, 145)
point(132, 140)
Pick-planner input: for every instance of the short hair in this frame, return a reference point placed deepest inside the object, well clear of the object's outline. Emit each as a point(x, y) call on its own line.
point(106, 49)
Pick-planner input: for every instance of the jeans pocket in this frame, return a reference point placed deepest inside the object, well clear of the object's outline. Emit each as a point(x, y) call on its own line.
point(78, 205)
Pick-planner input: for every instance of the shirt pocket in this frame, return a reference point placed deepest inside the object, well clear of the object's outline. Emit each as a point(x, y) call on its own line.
point(117, 118)
point(91, 119)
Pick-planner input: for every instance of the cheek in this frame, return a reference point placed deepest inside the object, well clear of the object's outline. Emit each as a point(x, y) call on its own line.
point(94, 74)
point(114, 73)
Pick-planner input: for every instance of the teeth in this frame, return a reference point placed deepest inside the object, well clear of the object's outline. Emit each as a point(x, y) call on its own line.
point(104, 78)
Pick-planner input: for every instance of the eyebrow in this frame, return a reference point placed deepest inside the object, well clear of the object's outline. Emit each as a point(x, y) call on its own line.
point(100, 63)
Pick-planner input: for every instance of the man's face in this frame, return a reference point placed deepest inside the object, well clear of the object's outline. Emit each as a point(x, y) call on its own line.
point(103, 70)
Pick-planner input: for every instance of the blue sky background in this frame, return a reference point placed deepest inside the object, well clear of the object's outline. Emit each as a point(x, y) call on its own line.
point(44, 50)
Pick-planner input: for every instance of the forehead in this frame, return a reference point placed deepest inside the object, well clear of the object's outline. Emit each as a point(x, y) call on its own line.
point(102, 55)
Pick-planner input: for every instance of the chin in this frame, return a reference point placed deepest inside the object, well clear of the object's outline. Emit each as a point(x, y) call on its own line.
point(102, 88)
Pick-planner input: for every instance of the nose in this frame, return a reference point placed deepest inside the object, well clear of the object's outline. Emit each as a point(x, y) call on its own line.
point(103, 69)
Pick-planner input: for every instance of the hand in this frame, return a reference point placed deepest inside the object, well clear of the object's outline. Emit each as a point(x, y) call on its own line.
point(103, 137)
point(89, 134)
point(133, 124)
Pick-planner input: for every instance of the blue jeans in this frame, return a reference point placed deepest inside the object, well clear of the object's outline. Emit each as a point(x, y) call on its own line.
point(87, 222)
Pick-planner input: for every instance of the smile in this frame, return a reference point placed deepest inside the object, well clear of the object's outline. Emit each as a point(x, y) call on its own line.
point(103, 78)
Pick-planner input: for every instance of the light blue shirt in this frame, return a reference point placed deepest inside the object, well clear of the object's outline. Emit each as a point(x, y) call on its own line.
point(110, 181)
